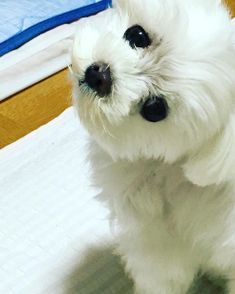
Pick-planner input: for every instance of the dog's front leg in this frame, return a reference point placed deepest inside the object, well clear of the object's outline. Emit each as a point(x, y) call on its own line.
point(162, 280)
point(164, 270)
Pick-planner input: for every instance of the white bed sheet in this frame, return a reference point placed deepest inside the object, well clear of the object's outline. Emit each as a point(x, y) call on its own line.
point(54, 235)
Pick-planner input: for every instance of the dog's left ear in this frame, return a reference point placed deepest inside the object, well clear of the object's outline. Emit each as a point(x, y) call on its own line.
point(215, 162)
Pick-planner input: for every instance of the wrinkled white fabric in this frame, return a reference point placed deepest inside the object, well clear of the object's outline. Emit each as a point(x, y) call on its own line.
point(49, 217)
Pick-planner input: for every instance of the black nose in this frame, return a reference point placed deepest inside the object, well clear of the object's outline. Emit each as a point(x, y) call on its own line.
point(98, 78)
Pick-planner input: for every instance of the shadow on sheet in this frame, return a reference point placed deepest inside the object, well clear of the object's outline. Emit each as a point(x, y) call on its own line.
point(102, 272)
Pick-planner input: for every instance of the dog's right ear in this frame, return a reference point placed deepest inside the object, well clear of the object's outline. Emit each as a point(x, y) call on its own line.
point(214, 163)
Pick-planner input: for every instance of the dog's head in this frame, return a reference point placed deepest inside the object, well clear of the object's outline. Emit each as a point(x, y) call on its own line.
point(156, 79)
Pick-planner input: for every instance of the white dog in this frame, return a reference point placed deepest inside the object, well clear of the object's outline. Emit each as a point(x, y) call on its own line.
point(154, 84)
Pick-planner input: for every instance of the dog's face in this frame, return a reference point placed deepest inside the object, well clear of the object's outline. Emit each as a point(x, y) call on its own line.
point(155, 78)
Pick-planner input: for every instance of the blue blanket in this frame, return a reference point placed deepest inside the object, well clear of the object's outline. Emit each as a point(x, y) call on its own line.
point(20, 21)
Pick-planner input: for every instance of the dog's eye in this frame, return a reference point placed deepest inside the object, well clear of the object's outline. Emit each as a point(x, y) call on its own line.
point(155, 109)
point(137, 37)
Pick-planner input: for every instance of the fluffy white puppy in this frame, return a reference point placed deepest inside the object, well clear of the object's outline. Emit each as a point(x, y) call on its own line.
point(154, 84)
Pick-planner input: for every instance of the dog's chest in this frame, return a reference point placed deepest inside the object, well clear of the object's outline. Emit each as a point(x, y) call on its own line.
point(152, 193)
point(145, 189)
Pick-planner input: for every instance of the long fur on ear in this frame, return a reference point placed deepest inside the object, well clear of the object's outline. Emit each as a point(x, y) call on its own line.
point(215, 162)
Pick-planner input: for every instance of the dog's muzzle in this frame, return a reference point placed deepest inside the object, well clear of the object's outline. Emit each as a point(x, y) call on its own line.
point(98, 78)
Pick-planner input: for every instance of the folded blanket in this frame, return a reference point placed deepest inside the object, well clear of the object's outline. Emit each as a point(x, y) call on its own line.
point(21, 21)
point(39, 58)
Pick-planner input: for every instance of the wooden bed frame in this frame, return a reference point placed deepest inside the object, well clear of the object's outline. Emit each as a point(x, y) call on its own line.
point(37, 105)
point(34, 107)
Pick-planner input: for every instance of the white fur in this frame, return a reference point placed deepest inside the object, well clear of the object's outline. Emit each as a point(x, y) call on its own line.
point(169, 185)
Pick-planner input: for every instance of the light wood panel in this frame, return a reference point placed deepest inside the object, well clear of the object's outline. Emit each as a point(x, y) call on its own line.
point(33, 107)
point(39, 104)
